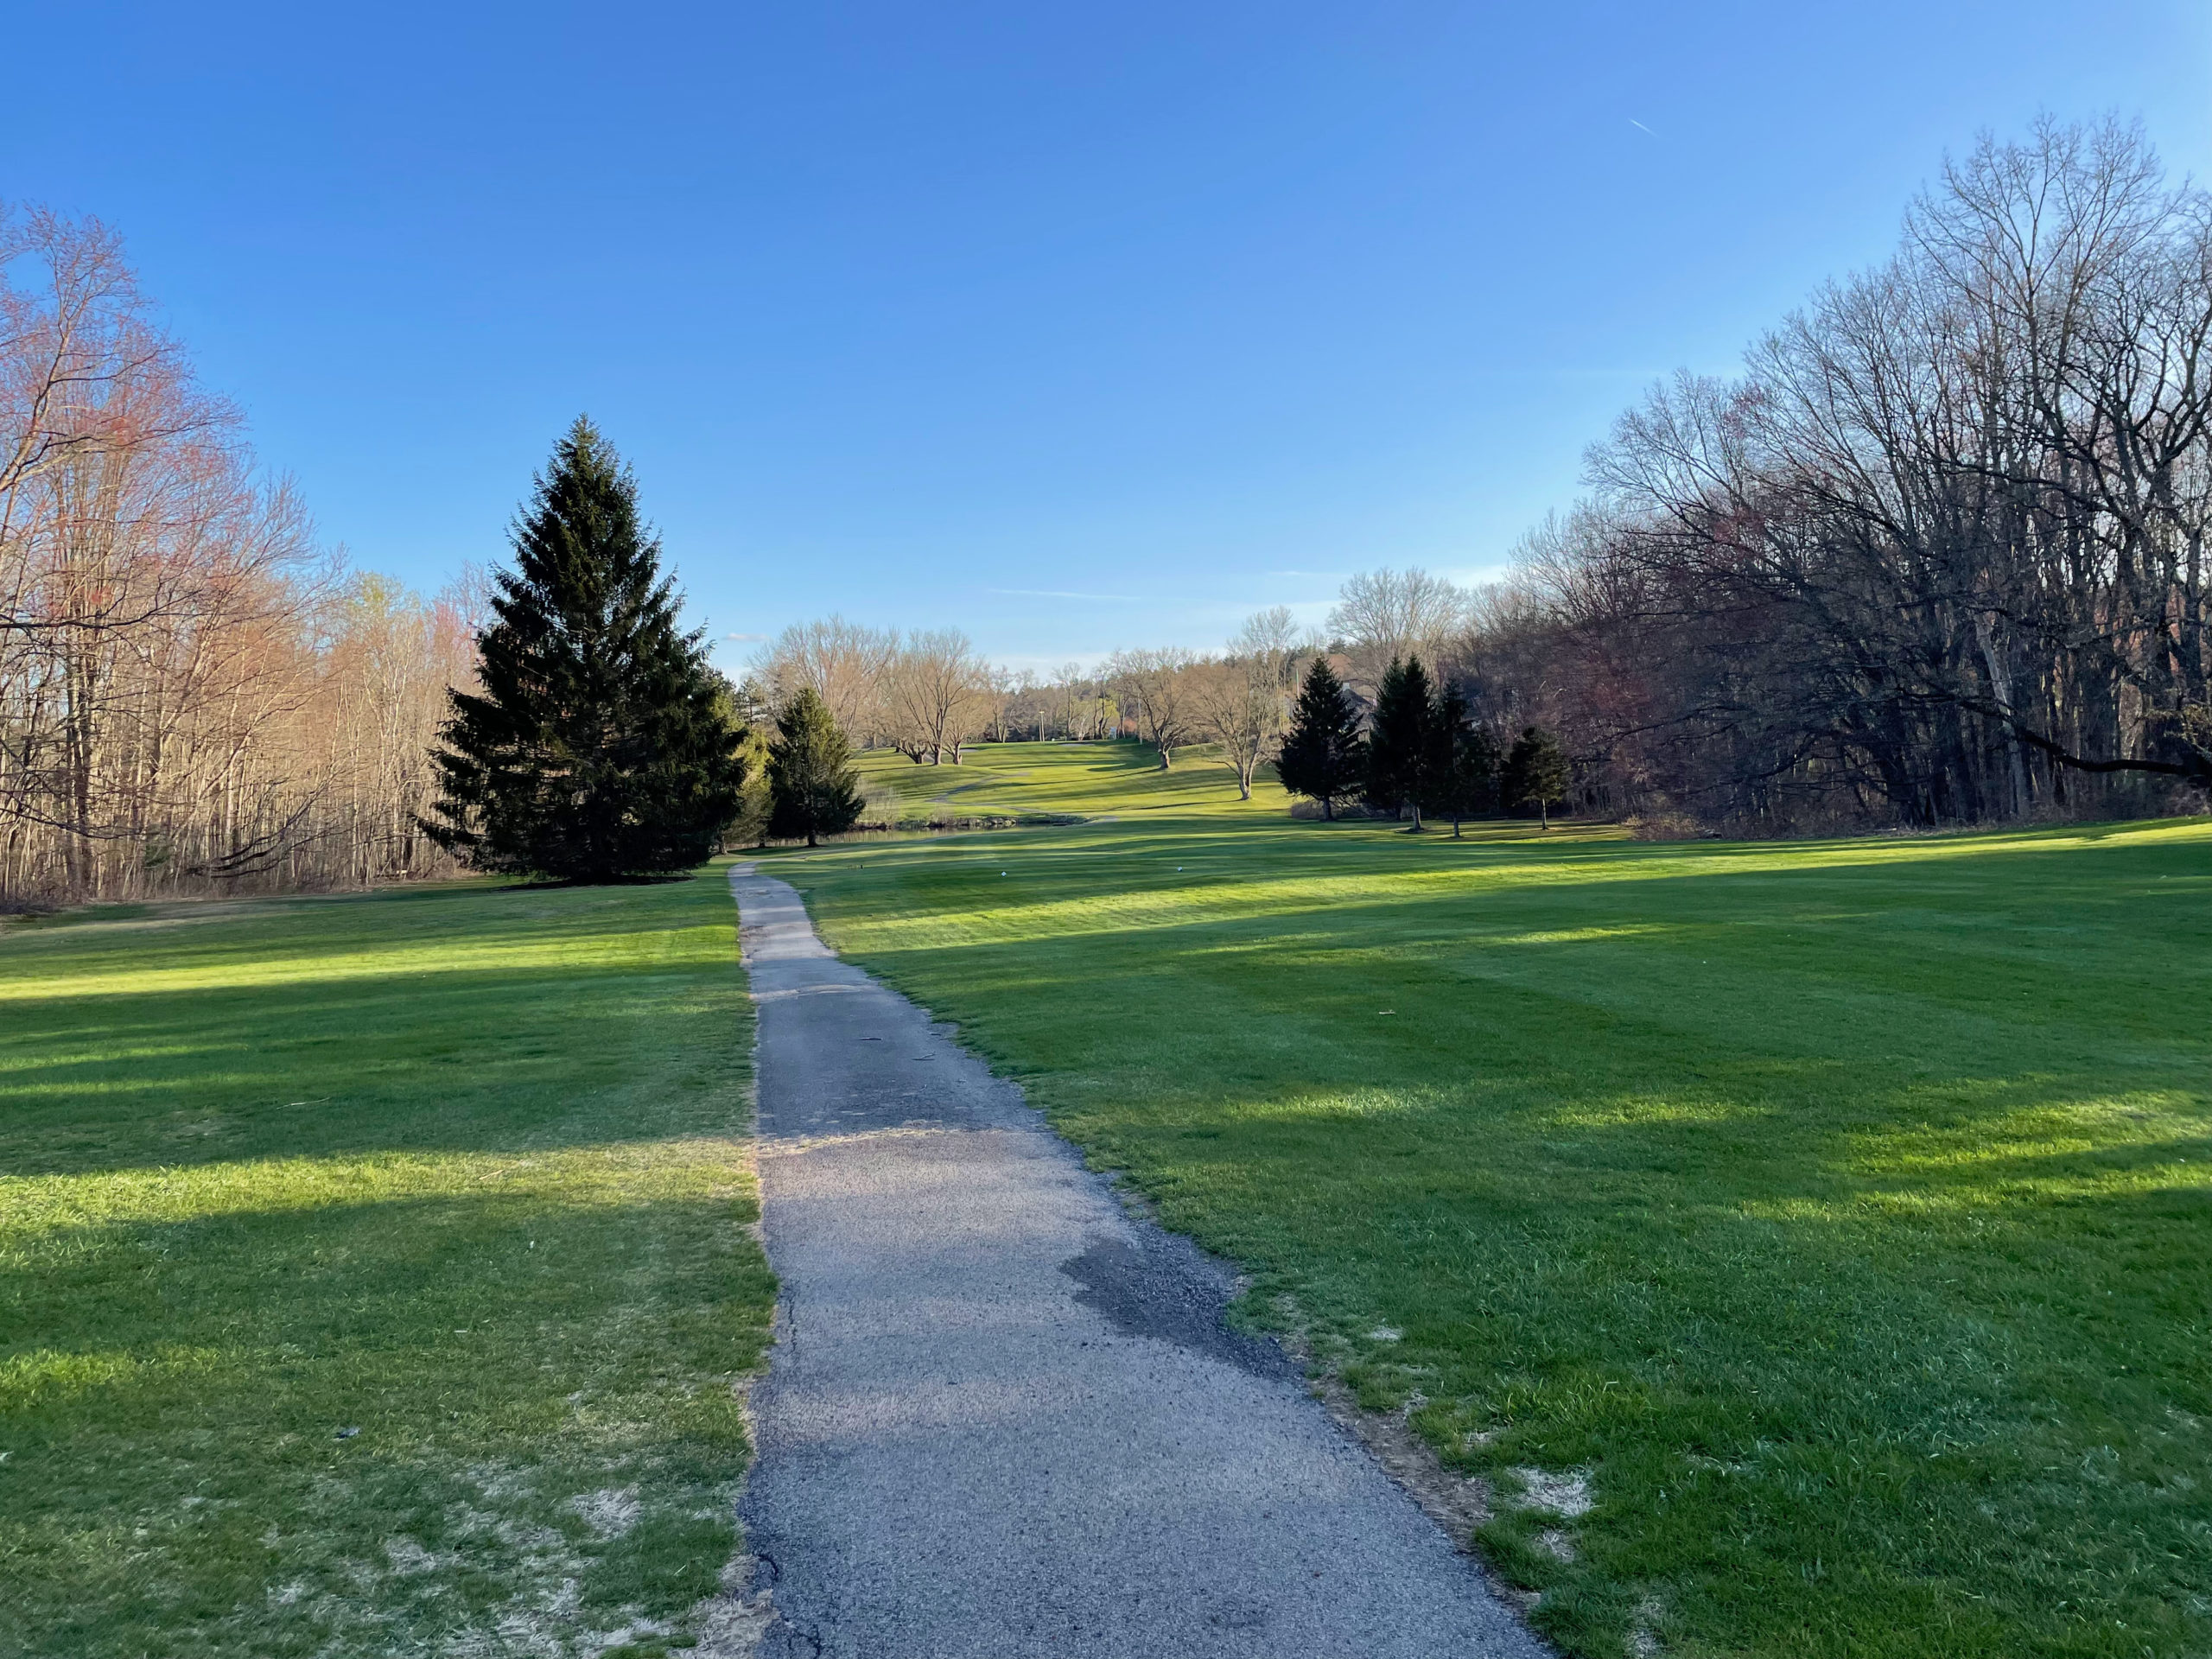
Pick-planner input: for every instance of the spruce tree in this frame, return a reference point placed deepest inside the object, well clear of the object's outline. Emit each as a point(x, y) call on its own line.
point(1324, 757)
point(1398, 745)
point(595, 750)
point(1536, 772)
point(1463, 761)
point(811, 788)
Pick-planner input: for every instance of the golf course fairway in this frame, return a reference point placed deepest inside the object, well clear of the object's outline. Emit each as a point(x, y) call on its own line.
point(1832, 1220)
point(374, 1272)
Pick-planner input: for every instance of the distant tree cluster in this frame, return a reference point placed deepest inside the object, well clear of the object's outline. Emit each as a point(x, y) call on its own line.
point(1423, 752)
point(928, 694)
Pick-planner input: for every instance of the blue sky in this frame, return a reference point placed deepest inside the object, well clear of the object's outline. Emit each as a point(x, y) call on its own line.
point(1076, 326)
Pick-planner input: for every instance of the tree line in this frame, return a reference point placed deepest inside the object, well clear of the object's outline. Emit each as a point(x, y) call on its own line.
point(1936, 555)
point(1350, 717)
point(192, 695)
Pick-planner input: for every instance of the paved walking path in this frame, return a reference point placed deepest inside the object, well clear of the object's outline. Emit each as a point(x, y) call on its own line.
point(1004, 1420)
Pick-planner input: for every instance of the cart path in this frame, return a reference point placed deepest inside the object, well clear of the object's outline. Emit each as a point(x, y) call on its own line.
point(1002, 1418)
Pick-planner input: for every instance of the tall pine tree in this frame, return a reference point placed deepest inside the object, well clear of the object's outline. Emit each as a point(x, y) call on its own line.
point(1398, 745)
point(1324, 758)
point(811, 789)
point(597, 750)
point(1463, 761)
point(1536, 772)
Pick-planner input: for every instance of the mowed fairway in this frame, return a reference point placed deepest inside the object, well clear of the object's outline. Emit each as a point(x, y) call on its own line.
point(463, 1169)
point(1840, 1212)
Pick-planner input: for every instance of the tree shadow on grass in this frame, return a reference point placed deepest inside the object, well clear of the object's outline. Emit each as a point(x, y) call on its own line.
point(606, 1031)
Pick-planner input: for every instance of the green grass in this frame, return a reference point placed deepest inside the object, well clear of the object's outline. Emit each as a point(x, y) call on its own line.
point(1082, 780)
point(462, 1169)
point(1842, 1210)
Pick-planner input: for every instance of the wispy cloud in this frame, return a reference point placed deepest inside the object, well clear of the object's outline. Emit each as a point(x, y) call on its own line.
point(1054, 592)
point(1639, 126)
point(744, 638)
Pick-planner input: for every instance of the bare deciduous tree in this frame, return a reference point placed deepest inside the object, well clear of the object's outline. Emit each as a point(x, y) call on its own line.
point(1382, 616)
point(1240, 705)
point(1273, 637)
point(842, 663)
point(937, 696)
point(1155, 691)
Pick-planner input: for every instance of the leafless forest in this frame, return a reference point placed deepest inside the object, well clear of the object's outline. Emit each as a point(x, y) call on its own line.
point(1936, 555)
point(192, 698)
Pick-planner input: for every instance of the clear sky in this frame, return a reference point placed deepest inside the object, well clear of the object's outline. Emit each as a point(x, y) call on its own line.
point(1075, 325)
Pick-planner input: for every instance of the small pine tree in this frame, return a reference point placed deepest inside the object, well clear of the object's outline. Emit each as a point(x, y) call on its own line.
point(811, 788)
point(745, 718)
point(1324, 758)
point(1463, 761)
point(596, 751)
point(1399, 743)
point(755, 801)
point(1536, 772)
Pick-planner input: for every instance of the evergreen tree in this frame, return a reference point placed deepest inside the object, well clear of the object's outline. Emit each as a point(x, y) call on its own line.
point(749, 825)
point(1536, 772)
point(1463, 761)
point(596, 750)
point(1324, 758)
point(1399, 762)
point(811, 788)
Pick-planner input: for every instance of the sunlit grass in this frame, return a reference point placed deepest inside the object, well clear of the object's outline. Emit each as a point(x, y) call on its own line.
point(1844, 1208)
point(463, 1171)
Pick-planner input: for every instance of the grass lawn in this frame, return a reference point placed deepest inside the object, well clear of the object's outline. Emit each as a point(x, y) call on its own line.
point(374, 1272)
point(1840, 1214)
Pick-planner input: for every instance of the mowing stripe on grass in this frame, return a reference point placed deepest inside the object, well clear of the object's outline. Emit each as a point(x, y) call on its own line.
point(375, 1273)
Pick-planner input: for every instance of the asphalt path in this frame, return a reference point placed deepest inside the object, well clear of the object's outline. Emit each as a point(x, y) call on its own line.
point(1002, 1417)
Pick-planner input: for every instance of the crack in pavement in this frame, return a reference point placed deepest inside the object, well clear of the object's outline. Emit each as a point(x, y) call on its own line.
point(1018, 1425)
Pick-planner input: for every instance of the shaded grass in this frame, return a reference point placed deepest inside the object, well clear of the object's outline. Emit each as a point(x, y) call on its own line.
point(460, 1169)
point(1840, 1209)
